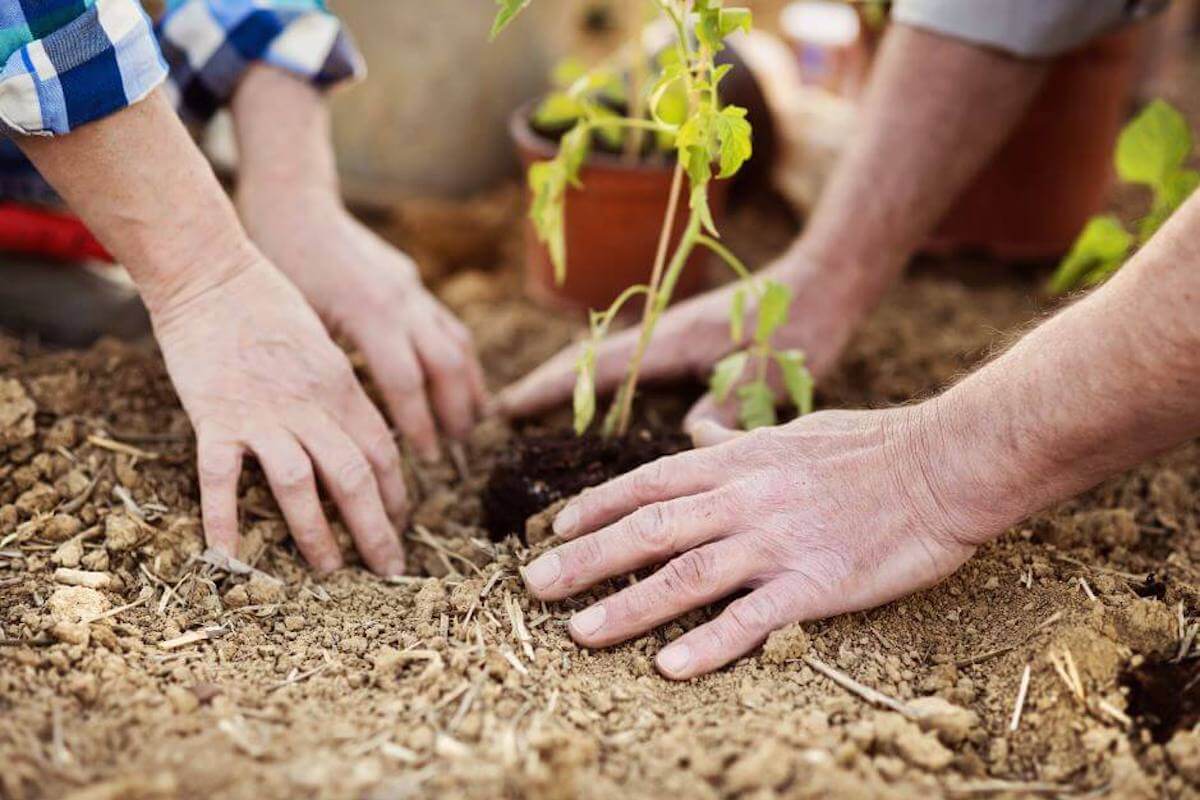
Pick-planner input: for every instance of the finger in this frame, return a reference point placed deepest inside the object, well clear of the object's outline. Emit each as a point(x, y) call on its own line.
point(290, 474)
point(349, 478)
point(445, 364)
point(650, 535)
point(366, 426)
point(398, 374)
point(694, 579)
point(741, 627)
point(218, 464)
point(665, 479)
point(716, 416)
point(476, 380)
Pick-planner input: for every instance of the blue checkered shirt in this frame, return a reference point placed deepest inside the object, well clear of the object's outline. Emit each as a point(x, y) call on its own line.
point(69, 62)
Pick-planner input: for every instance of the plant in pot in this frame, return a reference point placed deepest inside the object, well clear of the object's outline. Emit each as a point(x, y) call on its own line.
point(1152, 151)
point(710, 142)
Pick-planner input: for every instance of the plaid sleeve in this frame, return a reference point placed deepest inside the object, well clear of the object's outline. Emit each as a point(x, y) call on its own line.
point(69, 62)
point(209, 44)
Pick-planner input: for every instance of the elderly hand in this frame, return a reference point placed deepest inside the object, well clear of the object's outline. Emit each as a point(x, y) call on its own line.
point(257, 372)
point(693, 336)
point(421, 357)
point(834, 513)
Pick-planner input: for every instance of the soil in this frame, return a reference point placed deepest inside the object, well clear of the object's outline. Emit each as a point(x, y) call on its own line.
point(131, 666)
point(540, 470)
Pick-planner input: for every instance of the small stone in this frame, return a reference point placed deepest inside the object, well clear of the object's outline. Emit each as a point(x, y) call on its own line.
point(75, 603)
point(121, 532)
point(294, 622)
point(61, 527)
point(788, 644)
point(37, 500)
point(264, 590)
point(910, 743)
point(16, 413)
point(182, 700)
point(953, 724)
point(71, 633)
point(68, 554)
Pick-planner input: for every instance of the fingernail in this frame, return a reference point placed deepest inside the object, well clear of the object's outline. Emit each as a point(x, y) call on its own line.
point(542, 573)
point(589, 620)
point(566, 520)
point(395, 568)
point(330, 564)
point(674, 659)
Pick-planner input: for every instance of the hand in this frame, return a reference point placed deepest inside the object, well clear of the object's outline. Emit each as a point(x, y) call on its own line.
point(363, 288)
point(693, 336)
point(256, 372)
point(834, 513)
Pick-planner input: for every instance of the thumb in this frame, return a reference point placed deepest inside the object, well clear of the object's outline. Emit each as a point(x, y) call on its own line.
point(710, 423)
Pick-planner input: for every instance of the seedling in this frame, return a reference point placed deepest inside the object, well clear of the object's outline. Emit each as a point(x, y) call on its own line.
point(683, 110)
point(1152, 151)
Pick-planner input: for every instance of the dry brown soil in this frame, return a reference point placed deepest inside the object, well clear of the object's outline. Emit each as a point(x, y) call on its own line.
point(452, 683)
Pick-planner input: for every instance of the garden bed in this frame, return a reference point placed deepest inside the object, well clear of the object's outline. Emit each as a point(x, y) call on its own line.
point(453, 683)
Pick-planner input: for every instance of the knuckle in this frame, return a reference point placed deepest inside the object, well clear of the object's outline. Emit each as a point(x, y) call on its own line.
point(216, 467)
point(406, 381)
point(649, 527)
point(383, 453)
point(293, 476)
point(584, 555)
point(690, 574)
point(651, 480)
point(752, 615)
point(353, 475)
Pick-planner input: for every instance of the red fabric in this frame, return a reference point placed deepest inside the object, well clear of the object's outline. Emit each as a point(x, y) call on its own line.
point(39, 232)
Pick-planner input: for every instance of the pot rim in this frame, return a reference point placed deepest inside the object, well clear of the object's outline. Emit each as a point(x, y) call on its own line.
point(520, 127)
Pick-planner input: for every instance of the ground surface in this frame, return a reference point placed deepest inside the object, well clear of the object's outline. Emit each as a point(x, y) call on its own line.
point(456, 685)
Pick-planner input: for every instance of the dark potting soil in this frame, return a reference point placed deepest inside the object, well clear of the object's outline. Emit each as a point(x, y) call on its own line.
point(1164, 696)
point(543, 469)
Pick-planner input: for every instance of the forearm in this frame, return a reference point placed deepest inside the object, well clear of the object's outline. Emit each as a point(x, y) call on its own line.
point(148, 194)
point(936, 110)
point(283, 133)
point(1100, 387)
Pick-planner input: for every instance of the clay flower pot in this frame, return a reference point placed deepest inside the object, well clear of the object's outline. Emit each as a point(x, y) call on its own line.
point(1056, 170)
point(612, 225)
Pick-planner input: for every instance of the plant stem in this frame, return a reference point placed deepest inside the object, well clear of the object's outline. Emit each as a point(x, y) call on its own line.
point(624, 398)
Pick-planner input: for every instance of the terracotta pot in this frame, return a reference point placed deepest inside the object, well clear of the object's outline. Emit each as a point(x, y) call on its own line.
point(1056, 170)
point(612, 226)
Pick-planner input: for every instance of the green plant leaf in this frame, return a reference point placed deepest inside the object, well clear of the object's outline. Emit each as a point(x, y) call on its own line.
point(547, 186)
point(585, 390)
point(558, 109)
point(772, 311)
point(1103, 243)
point(699, 204)
point(726, 374)
point(574, 149)
point(1168, 197)
point(756, 406)
point(798, 380)
point(735, 138)
point(509, 9)
point(1156, 143)
point(737, 315)
point(567, 71)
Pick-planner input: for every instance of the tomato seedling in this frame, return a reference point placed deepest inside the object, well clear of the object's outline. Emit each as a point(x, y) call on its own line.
point(1152, 151)
point(681, 107)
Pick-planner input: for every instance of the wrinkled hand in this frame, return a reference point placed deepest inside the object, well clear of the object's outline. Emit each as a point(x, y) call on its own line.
point(416, 350)
point(830, 514)
point(257, 372)
point(694, 335)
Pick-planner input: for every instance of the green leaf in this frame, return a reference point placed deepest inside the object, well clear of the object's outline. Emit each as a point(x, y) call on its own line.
point(585, 390)
point(756, 406)
point(547, 186)
point(772, 311)
point(558, 109)
point(567, 72)
point(1170, 195)
point(699, 204)
point(734, 136)
point(736, 19)
point(726, 374)
point(737, 315)
point(1156, 143)
point(574, 149)
point(798, 380)
point(1103, 243)
point(509, 9)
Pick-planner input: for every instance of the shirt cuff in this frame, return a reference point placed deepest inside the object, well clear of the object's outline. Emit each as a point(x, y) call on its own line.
point(1026, 28)
point(100, 62)
point(209, 45)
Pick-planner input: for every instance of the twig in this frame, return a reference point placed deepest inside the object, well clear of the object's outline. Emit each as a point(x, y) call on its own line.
point(147, 593)
point(76, 502)
point(872, 696)
point(92, 580)
point(294, 679)
point(120, 447)
point(423, 536)
point(193, 637)
point(1022, 692)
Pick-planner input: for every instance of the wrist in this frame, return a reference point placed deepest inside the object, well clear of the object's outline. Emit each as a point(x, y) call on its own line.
point(176, 282)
